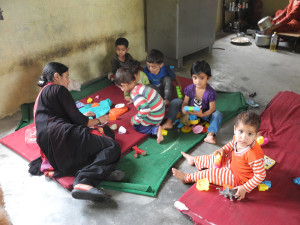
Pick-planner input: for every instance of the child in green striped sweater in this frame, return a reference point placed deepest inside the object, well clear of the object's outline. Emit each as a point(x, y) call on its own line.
point(149, 104)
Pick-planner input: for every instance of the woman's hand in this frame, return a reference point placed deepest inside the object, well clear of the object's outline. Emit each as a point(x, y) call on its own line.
point(104, 119)
point(241, 193)
point(89, 114)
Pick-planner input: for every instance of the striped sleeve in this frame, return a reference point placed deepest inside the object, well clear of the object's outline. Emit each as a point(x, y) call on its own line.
point(259, 175)
point(228, 147)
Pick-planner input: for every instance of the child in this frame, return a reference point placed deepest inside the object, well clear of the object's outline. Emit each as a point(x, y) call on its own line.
point(148, 102)
point(121, 58)
point(242, 159)
point(160, 76)
point(141, 77)
point(202, 95)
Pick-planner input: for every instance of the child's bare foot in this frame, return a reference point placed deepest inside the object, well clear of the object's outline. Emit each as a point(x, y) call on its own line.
point(210, 138)
point(178, 174)
point(168, 124)
point(189, 158)
point(159, 135)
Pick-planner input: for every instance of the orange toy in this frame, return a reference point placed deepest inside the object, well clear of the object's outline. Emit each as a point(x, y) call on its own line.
point(117, 111)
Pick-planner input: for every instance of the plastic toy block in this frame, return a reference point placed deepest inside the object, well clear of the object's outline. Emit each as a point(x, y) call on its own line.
point(267, 182)
point(202, 185)
point(175, 122)
point(218, 161)
point(262, 141)
point(186, 129)
point(193, 117)
point(164, 132)
point(263, 187)
point(180, 125)
point(138, 151)
point(179, 94)
point(191, 108)
point(297, 180)
point(116, 112)
point(89, 100)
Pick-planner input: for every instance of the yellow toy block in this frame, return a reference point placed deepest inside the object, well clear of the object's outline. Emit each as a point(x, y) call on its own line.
point(89, 100)
point(164, 132)
point(202, 185)
point(263, 187)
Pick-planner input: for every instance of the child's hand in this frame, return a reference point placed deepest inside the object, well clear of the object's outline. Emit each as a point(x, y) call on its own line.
point(128, 99)
point(241, 193)
point(221, 151)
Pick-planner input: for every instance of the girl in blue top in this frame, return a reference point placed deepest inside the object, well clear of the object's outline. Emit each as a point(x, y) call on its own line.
point(202, 95)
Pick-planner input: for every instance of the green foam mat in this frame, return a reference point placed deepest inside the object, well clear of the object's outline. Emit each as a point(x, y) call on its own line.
point(145, 174)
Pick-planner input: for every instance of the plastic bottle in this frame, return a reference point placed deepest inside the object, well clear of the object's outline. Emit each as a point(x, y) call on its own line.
point(274, 40)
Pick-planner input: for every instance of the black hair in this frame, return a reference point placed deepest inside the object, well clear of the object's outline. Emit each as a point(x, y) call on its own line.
point(155, 56)
point(134, 66)
point(201, 67)
point(248, 118)
point(122, 41)
point(49, 70)
point(124, 75)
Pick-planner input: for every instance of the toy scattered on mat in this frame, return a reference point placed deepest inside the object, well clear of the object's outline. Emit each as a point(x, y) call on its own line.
point(95, 104)
point(262, 141)
point(138, 151)
point(179, 94)
point(89, 100)
point(164, 132)
point(119, 110)
point(263, 187)
point(191, 108)
point(267, 182)
point(218, 160)
point(228, 193)
point(186, 129)
point(79, 104)
point(297, 180)
point(268, 162)
point(197, 129)
point(202, 184)
point(113, 126)
point(122, 130)
point(252, 103)
point(97, 97)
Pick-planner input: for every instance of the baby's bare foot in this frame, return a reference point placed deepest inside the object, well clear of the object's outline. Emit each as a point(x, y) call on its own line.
point(168, 124)
point(178, 174)
point(189, 158)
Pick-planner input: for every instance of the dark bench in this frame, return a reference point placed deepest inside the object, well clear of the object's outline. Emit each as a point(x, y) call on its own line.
point(294, 36)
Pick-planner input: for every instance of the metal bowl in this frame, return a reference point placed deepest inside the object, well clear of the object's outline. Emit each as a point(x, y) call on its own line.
point(265, 23)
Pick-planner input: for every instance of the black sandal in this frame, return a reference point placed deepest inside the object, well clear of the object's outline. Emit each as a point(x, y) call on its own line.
point(93, 194)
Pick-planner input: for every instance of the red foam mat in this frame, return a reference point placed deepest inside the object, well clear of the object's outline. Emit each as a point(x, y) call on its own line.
point(16, 140)
point(278, 205)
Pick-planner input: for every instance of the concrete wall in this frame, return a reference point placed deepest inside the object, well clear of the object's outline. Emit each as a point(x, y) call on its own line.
point(271, 6)
point(80, 34)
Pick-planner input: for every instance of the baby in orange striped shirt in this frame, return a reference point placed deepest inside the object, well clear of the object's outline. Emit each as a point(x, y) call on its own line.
point(242, 159)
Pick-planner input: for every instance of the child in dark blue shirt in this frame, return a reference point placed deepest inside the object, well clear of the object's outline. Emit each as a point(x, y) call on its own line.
point(161, 77)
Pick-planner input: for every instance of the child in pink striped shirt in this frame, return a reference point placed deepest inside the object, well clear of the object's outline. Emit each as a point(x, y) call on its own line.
point(242, 159)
